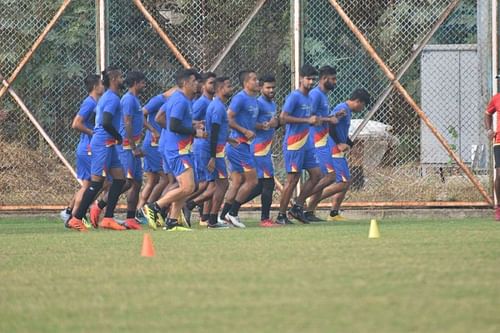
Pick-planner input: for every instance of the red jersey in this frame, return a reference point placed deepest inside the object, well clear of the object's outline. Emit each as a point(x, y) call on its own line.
point(494, 106)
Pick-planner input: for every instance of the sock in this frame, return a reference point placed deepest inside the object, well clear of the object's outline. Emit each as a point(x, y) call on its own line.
point(130, 214)
point(114, 194)
point(266, 197)
point(205, 217)
point(68, 210)
point(190, 204)
point(235, 208)
point(88, 196)
point(212, 219)
point(101, 204)
point(225, 209)
point(334, 212)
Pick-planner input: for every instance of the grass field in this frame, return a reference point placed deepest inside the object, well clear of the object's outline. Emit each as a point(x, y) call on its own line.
point(420, 276)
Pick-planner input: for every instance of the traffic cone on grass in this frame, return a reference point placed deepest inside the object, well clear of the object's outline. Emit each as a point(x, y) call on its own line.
point(147, 246)
point(374, 232)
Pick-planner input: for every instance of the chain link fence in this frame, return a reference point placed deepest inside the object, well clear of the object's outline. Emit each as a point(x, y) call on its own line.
point(396, 157)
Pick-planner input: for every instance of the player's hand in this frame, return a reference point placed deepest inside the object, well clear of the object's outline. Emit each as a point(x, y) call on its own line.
point(312, 120)
point(233, 142)
point(137, 152)
point(273, 123)
point(491, 134)
point(249, 134)
point(211, 164)
point(333, 120)
point(343, 147)
point(119, 141)
point(199, 125)
point(156, 134)
point(342, 113)
point(200, 133)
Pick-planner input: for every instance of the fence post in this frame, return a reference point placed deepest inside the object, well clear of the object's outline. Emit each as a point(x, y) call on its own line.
point(102, 35)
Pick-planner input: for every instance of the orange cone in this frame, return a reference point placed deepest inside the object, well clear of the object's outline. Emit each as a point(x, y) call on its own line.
point(147, 246)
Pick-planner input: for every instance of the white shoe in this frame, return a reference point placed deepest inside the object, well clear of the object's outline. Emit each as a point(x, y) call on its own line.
point(64, 216)
point(235, 220)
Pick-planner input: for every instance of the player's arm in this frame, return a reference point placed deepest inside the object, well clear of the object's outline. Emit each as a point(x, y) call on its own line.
point(147, 124)
point(231, 118)
point(286, 118)
point(488, 120)
point(79, 125)
point(161, 118)
point(107, 124)
point(176, 126)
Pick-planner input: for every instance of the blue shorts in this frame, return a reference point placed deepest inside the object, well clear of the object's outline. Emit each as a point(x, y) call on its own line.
point(179, 163)
point(152, 158)
point(325, 159)
point(240, 158)
point(341, 169)
point(132, 166)
point(83, 163)
point(264, 166)
point(164, 162)
point(103, 159)
point(201, 158)
point(298, 160)
point(220, 171)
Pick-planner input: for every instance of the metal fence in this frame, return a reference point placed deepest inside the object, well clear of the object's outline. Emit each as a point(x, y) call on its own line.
point(413, 57)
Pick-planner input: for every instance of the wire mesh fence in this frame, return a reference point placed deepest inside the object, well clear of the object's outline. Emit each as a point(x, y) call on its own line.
point(396, 157)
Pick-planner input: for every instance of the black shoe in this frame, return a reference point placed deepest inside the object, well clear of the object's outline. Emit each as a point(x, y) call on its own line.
point(298, 213)
point(283, 219)
point(312, 218)
point(218, 226)
point(187, 214)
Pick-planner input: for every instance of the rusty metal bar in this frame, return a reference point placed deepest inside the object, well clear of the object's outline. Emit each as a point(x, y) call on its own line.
point(34, 47)
point(366, 45)
point(162, 34)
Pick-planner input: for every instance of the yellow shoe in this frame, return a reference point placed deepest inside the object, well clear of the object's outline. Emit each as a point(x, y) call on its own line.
point(203, 223)
point(182, 220)
point(179, 228)
point(336, 218)
point(86, 222)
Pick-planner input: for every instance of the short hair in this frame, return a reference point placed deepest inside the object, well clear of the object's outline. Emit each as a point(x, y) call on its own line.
point(207, 75)
point(183, 75)
point(269, 78)
point(243, 75)
point(91, 81)
point(219, 82)
point(327, 70)
point(134, 77)
point(109, 73)
point(360, 94)
point(308, 70)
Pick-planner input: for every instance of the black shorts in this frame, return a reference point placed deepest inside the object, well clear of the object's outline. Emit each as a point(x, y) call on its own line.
point(496, 152)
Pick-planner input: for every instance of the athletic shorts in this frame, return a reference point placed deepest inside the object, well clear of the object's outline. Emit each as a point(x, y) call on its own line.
point(325, 159)
point(152, 158)
point(496, 152)
point(341, 167)
point(179, 163)
point(298, 160)
point(132, 166)
point(103, 159)
point(220, 171)
point(201, 158)
point(164, 162)
point(240, 158)
point(83, 163)
point(264, 166)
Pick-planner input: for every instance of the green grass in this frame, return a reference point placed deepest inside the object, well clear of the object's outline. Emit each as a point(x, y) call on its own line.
point(420, 276)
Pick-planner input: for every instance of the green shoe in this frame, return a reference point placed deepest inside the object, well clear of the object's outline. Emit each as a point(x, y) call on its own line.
point(150, 215)
point(86, 222)
point(179, 228)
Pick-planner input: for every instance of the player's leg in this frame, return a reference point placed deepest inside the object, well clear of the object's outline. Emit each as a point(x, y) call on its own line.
point(117, 187)
point(342, 184)
point(186, 188)
point(266, 200)
point(293, 162)
point(135, 176)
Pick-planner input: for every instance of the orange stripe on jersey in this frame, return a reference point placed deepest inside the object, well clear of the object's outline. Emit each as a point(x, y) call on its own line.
point(220, 150)
point(126, 141)
point(321, 138)
point(267, 174)
point(262, 148)
point(247, 168)
point(294, 168)
point(110, 142)
point(297, 141)
point(185, 145)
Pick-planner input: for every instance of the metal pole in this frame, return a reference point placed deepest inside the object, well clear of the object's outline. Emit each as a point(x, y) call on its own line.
point(366, 45)
point(406, 66)
point(297, 61)
point(102, 35)
point(34, 47)
point(494, 71)
point(237, 35)
point(162, 34)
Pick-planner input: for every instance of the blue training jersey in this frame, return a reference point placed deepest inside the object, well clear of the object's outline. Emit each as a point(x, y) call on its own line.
point(87, 112)
point(261, 146)
point(199, 113)
point(246, 109)
point(153, 106)
point(109, 102)
point(131, 106)
point(180, 107)
point(297, 135)
point(342, 128)
point(217, 114)
point(320, 108)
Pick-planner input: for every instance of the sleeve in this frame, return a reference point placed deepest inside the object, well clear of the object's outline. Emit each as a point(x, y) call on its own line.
point(111, 106)
point(236, 104)
point(290, 103)
point(491, 108)
point(178, 110)
point(153, 104)
point(127, 107)
point(86, 110)
point(316, 103)
point(198, 107)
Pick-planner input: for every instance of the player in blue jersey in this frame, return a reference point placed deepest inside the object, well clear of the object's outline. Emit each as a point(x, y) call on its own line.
point(178, 136)
point(130, 153)
point(84, 123)
point(298, 147)
point(242, 118)
point(341, 145)
point(104, 158)
point(267, 122)
point(201, 147)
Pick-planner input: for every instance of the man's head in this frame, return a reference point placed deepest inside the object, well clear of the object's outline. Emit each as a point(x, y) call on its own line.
point(136, 80)
point(267, 84)
point(208, 80)
point(248, 81)
point(187, 80)
point(327, 78)
point(307, 76)
point(112, 78)
point(359, 99)
point(223, 87)
point(93, 84)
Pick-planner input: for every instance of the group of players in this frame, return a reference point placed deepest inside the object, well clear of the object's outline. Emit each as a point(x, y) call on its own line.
point(197, 136)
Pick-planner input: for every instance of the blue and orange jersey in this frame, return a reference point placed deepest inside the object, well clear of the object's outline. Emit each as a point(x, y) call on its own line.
point(152, 106)
point(246, 109)
point(199, 113)
point(320, 108)
point(261, 145)
point(297, 135)
point(87, 112)
point(110, 103)
point(131, 107)
point(180, 107)
point(216, 114)
point(342, 128)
